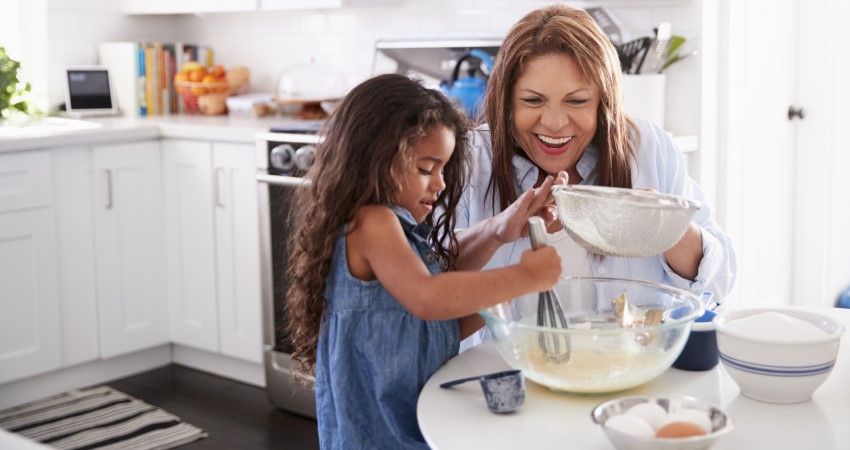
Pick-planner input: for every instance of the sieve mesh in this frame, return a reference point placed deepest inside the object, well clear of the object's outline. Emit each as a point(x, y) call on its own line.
point(621, 222)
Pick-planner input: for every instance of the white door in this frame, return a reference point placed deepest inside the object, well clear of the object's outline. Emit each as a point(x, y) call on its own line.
point(785, 180)
point(190, 255)
point(759, 80)
point(238, 250)
point(822, 201)
point(129, 247)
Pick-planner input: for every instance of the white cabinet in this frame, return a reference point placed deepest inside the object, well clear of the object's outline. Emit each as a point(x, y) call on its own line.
point(190, 254)
point(300, 4)
point(238, 251)
point(72, 193)
point(129, 243)
point(185, 6)
point(29, 304)
point(213, 247)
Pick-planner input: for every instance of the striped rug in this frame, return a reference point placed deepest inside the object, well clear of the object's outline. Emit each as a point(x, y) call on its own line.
point(101, 418)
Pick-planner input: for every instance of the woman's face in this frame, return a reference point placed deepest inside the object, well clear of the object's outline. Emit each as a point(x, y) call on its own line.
point(554, 112)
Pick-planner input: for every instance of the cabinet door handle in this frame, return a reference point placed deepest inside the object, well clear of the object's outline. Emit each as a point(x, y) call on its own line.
point(218, 201)
point(108, 188)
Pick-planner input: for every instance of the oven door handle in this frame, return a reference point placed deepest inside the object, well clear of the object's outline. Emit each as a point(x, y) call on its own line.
point(281, 180)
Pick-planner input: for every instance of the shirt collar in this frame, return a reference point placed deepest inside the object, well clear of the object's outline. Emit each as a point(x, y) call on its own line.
point(526, 172)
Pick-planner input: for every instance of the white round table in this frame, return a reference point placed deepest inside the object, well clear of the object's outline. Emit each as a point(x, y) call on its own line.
point(458, 418)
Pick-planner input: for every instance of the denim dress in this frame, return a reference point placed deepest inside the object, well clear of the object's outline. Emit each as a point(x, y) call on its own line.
point(374, 356)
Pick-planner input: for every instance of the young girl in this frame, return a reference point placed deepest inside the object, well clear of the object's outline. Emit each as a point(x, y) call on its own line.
point(370, 311)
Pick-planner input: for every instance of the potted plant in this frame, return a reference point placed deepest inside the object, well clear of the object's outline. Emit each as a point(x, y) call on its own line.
point(12, 89)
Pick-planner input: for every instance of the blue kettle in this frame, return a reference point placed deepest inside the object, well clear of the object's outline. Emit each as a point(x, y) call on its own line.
point(469, 91)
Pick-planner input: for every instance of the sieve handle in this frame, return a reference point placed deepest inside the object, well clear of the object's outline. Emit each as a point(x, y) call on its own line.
point(537, 232)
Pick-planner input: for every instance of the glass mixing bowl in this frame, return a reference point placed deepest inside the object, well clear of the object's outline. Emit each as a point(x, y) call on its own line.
point(622, 333)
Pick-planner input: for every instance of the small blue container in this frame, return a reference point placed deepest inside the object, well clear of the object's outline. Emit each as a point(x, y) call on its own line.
point(504, 393)
point(844, 299)
point(700, 352)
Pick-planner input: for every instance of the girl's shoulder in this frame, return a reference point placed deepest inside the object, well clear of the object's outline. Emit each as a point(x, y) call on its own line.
point(377, 219)
point(370, 216)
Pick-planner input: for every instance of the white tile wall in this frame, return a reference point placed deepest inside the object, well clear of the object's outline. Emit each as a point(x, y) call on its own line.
point(270, 41)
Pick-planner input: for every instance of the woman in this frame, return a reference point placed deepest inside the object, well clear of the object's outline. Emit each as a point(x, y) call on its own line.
point(554, 116)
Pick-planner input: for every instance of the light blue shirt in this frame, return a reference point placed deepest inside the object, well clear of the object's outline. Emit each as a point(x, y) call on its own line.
point(660, 166)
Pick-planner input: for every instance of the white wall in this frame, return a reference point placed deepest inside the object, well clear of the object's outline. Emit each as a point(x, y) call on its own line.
point(270, 41)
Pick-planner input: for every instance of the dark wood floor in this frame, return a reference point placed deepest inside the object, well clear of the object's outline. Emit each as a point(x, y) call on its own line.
point(235, 415)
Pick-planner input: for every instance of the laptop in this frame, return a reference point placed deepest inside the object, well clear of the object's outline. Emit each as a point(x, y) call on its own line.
point(88, 92)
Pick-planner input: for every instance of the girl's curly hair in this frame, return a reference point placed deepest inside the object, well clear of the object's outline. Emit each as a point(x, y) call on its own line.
point(367, 150)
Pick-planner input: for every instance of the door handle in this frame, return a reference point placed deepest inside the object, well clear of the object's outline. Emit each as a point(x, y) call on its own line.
point(108, 188)
point(218, 201)
point(796, 112)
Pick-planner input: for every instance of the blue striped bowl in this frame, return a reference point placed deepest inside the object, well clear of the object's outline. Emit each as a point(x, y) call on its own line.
point(778, 371)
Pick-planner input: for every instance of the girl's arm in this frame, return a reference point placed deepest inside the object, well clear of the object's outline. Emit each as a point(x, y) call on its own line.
point(469, 325)
point(378, 248)
point(480, 241)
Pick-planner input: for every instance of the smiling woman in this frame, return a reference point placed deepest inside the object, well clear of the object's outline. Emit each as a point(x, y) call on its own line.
point(554, 116)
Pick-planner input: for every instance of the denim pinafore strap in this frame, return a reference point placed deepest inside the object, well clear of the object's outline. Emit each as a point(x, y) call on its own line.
point(374, 356)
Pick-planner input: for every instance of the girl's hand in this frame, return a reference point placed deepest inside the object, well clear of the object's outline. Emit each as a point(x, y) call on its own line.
point(510, 224)
point(542, 267)
point(549, 214)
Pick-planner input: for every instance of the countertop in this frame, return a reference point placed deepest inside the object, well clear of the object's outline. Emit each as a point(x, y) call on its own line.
point(458, 418)
point(56, 132)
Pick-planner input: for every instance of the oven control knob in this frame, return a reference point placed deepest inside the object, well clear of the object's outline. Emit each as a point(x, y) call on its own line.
point(304, 157)
point(282, 157)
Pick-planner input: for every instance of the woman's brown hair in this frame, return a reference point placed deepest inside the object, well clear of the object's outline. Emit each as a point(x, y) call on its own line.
point(367, 150)
point(559, 29)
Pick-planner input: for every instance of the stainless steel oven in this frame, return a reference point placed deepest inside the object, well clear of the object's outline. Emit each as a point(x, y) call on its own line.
point(282, 158)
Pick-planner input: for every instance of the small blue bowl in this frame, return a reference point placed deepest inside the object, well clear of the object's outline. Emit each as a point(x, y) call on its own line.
point(700, 351)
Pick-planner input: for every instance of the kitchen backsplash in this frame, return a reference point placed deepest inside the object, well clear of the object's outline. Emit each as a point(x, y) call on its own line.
point(270, 41)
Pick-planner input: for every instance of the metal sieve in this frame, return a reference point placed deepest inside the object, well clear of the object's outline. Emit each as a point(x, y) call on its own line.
point(622, 222)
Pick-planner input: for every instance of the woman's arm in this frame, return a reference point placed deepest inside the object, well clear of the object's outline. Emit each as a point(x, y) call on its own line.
point(685, 256)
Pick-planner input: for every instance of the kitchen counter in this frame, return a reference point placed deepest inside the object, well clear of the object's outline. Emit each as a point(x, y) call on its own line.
point(458, 418)
point(54, 131)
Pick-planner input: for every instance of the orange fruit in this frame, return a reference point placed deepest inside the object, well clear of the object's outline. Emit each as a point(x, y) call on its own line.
point(210, 79)
point(197, 75)
point(181, 76)
point(218, 70)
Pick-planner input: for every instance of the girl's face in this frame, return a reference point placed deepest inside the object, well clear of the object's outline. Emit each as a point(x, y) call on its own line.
point(554, 112)
point(424, 180)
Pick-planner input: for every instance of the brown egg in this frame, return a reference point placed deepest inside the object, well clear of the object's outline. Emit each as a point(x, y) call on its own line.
point(679, 430)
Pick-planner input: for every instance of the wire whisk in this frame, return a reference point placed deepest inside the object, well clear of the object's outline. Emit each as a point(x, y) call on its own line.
point(555, 345)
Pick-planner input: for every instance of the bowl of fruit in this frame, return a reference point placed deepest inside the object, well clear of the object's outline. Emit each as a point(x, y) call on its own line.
point(204, 90)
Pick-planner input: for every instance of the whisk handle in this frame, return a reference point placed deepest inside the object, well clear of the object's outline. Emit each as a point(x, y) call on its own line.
point(537, 232)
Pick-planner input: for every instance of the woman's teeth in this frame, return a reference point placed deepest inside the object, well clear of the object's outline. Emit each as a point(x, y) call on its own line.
point(553, 142)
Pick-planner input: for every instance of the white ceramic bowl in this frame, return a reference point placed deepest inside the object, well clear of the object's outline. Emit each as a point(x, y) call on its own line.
point(721, 423)
point(777, 369)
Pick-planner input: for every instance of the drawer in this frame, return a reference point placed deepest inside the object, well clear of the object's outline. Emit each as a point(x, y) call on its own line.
point(25, 180)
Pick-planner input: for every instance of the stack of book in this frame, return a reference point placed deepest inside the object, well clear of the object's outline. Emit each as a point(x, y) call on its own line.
point(142, 74)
